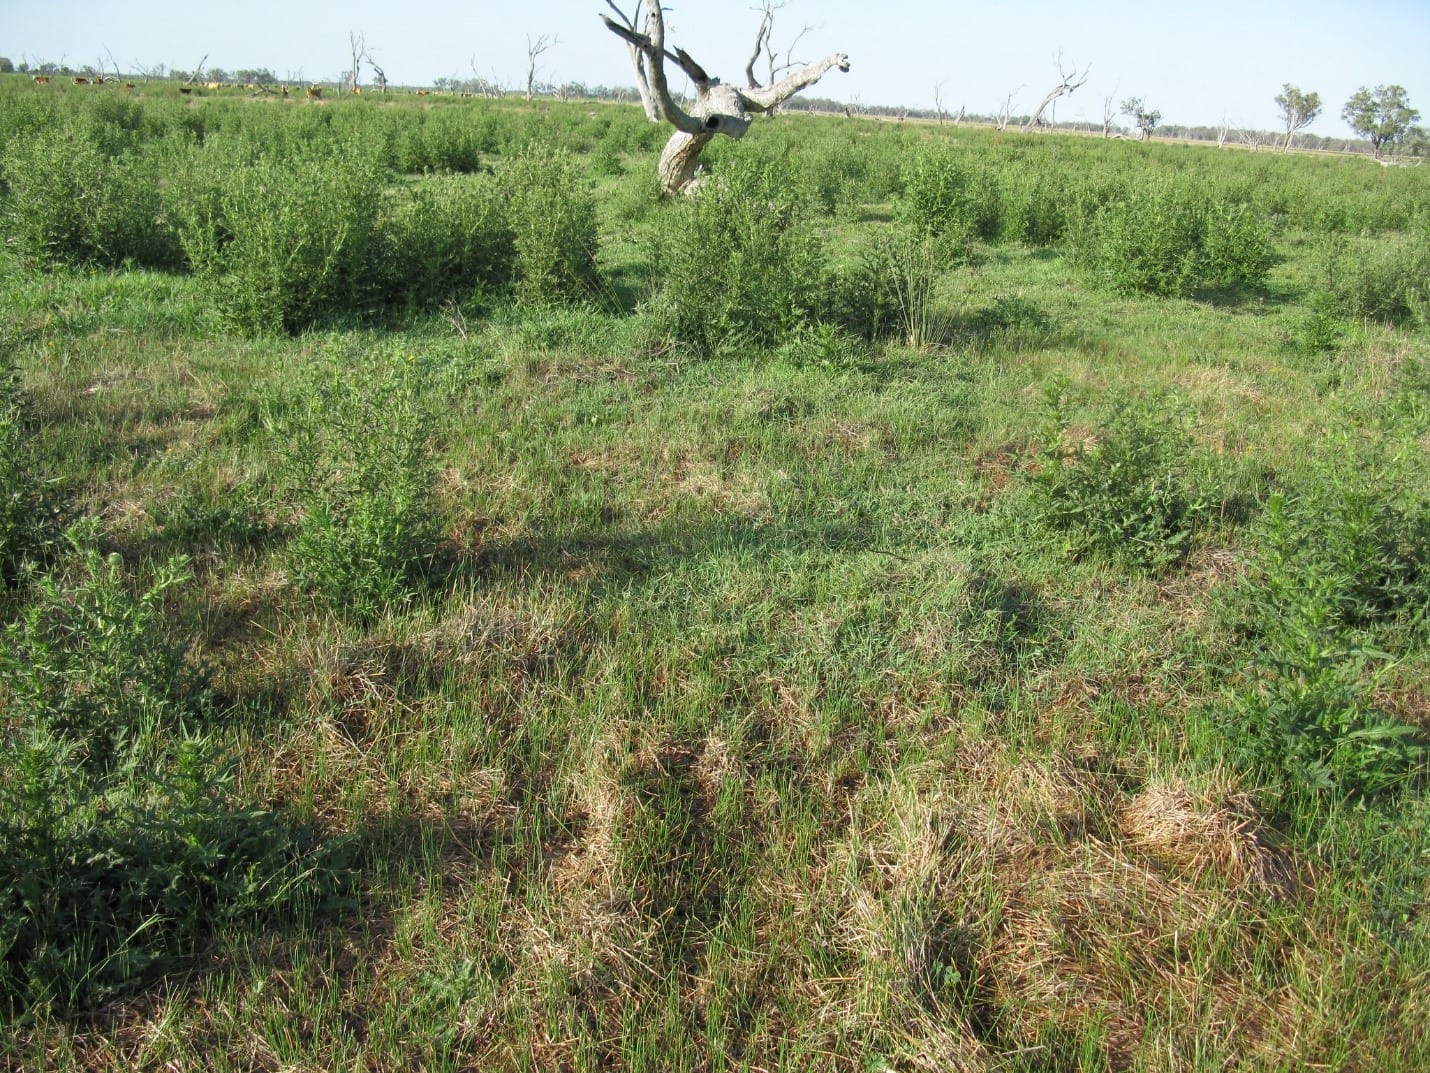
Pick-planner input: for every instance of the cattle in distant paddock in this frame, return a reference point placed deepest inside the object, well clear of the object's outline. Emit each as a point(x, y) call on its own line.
point(213, 85)
point(186, 90)
point(42, 80)
point(81, 81)
point(315, 93)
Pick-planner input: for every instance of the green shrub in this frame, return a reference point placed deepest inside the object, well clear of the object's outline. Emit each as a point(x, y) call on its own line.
point(1386, 279)
point(1168, 237)
point(290, 241)
point(1127, 489)
point(122, 847)
point(92, 664)
point(447, 237)
point(892, 289)
point(362, 468)
point(1328, 577)
point(436, 140)
point(107, 883)
point(552, 213)
point(22, 531)
point(71, 203)
point(737, 263)
point(1033, 206)
point(945, 194)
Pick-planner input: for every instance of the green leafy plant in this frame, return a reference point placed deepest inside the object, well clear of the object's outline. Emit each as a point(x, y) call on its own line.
point(71, 202)
point(1322, 582)
point(361, 466)
point(552, 214)
point(92, 663)
point(1126, 489)
point(947, 195)
point(108, 881)
point(448, 237)
point(284, 242)
point(1168, 237)
point(22, 529)
point(1386, 279)
point(737, 262)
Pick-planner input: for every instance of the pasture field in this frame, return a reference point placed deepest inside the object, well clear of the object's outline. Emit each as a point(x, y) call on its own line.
point(934, 600)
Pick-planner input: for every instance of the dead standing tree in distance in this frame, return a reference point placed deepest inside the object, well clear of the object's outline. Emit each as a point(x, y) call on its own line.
point(1068, 82)
point(534, 49)
point(719, 108)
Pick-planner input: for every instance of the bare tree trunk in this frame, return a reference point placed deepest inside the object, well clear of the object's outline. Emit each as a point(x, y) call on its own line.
point(1067, 84)
point(533, 50)
point(634, 22)
point(358, 46)
point(718, 109)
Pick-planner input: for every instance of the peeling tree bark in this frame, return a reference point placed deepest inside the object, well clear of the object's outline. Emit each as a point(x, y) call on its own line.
point(719, 108)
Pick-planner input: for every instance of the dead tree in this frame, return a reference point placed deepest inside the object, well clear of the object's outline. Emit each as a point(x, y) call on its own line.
point(1109, 113)
point(358, 44)
point(1005, 114)
point(776, 63)
point(635, 23)
point(1068, 83)
point(718, 109)
point(534, 49)
point(938, 102)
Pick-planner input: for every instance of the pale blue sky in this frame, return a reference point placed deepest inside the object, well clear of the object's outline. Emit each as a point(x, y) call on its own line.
point(1197, 63)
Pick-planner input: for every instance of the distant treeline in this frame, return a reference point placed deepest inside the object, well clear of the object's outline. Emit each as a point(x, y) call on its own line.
point(477, 86)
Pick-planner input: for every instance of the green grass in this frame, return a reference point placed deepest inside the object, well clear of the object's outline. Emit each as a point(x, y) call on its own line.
point(751, 710)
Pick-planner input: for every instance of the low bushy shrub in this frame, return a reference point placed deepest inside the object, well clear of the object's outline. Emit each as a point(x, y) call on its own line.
point(1385, 279)
point(1336, 576)
point(445, 237)
point(22, 529)
point(1127, 489)
point(1168, 237)
point(361, 466)
point(736, 262)
point(71, 203)
point(91, 663)
point(947, 194)
point(552, 214)
point(891, 291)
point(122, 845)
point(283, 243)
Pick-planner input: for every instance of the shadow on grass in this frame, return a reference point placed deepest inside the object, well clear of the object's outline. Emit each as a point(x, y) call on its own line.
point(613, 560)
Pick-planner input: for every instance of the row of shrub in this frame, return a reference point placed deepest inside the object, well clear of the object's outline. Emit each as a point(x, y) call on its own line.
point(288, 238)
point(407, 135)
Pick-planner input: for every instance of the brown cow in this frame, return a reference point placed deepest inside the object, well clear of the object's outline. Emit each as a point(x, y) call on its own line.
point(315, 93)
point(81, 81)
point(42, 80)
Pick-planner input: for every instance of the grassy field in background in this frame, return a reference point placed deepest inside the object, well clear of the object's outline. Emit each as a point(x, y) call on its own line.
point(532, 649)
